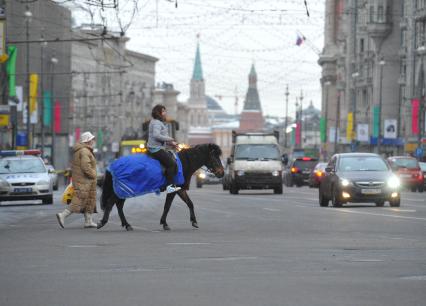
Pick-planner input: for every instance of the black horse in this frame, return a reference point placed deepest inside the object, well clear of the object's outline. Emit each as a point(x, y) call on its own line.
point(192, 159)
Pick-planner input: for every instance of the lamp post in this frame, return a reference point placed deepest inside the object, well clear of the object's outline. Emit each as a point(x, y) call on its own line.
point(326, 85)
point(54, 61)
point(286, 115)
point(355, 75)
point(28, 16)
point(381, 64)
point(43, 45)
point(422, 123)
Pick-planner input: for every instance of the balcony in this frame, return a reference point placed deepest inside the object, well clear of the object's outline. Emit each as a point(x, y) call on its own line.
point(420, 14)
point(379, 29)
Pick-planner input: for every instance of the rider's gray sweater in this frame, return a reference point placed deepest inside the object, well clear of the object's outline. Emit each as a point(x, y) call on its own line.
point(158, 134)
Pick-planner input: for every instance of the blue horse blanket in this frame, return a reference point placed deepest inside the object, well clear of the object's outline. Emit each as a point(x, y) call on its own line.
point(138, 174)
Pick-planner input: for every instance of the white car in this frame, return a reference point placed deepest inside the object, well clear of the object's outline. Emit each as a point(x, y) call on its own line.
point(53, 176)
point(23, 176)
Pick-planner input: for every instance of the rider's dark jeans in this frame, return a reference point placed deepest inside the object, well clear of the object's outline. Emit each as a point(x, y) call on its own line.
point(168, 162)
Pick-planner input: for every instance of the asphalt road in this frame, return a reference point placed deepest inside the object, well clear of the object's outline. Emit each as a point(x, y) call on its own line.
point(255, 248)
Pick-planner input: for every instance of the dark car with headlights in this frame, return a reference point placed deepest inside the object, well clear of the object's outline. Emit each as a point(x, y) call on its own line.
point(299, 170)
point(358, 178)
point(408, 170)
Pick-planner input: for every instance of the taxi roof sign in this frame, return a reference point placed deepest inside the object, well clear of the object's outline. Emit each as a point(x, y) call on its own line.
point(5, 153)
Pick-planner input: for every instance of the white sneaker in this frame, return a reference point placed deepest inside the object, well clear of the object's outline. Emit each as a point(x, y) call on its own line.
point(172, 188)
point(61, 217)
point(88, 222)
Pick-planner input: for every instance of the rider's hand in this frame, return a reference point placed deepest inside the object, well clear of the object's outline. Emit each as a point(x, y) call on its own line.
point(173, 144)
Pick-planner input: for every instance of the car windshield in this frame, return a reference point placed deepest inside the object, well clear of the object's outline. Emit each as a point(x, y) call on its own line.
point(423, 166)
point(30, 165)
point(257, 151)
point(409, 163)
point(362, 163)
point(321, 166)
point(305, 164)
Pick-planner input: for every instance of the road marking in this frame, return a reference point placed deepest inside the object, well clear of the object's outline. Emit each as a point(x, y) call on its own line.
point(402, 210)
point(366, 260)
point(415, 277)
point(83, 246)
point(375, 214)
point(188, 243)
point(271, 209)
point(231, 258)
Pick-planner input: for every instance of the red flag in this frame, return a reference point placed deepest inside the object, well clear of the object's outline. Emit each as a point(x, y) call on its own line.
point(77, 134)
point(415, 106)
point(57, 116)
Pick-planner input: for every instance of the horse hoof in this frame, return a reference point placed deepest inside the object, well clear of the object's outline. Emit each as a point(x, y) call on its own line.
point(195, 224)
point(166, 227)
point(100, 225)
point(129, 228)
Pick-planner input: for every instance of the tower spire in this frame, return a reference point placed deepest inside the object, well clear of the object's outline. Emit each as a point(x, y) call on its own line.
point(197, 74)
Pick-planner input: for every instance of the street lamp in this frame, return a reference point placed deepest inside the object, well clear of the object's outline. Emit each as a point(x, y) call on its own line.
point(326, 85)
point(28, 15)
point(54, 61)
point(421, 51)
point(43, 45)
point(286, 115)
point(355, 75)
point(381, 64)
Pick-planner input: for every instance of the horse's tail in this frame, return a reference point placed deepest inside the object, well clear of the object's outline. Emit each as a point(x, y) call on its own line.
point(107, 189)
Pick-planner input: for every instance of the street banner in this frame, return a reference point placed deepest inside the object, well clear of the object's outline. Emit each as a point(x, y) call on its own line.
point(323, 130)
point(293, 136)
point(376, 119)
point(390, 130)
point(349, 126)
point(298, 133)
point(20, 97)
point(77, 133)
point(2, 39)
point(415, 105)
point(11, 70)
point(362, 132)
point(57, 117)
point(332, 134)
point(47, 108)
point(4, 115)
point(33, 92)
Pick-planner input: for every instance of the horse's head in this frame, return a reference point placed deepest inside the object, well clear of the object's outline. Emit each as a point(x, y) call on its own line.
point(212, 162)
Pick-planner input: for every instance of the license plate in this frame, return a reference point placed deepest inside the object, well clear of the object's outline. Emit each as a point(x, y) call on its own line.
point(371, 191)
point(307, 171)
point(406, 175)
point(23, 190)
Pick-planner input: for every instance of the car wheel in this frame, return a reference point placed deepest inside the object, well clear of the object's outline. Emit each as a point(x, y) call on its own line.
point(395, 203)
point(421, 188)
point(413, 189)
point(323, 201)
point(199, 185)
point(48, 200)
point(233, 189)
point(290, 182)
point(278, 190)
point(55, 187)
point(335, 201)
point(380, 203)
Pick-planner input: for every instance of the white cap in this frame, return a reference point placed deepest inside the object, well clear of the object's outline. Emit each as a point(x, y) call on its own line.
point(86, 137)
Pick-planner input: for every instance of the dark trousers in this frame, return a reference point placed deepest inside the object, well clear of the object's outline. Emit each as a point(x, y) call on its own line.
point(168, 162)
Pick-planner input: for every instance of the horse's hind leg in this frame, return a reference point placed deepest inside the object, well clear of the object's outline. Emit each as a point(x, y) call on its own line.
point(167, 204)
point(184, 196)
point(124, 222)
point(109, 204)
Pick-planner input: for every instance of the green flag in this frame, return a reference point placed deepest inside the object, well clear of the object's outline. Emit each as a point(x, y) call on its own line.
point(47, 108)
point(376, 119)
point(323, 130)
point(11, 70)
point(100, 139)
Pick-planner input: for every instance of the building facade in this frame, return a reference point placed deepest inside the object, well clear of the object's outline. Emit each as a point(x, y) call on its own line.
point(372, 71)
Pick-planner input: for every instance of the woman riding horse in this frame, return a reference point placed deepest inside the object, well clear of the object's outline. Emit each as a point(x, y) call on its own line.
point(192, 159)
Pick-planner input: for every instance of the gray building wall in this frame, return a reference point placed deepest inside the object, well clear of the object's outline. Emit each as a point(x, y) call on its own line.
point(49, 21)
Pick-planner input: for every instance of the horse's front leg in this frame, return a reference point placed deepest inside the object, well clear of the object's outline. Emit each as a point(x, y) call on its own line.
point(124, 222)
point(108, 207)
point(167, 204)
point(184, 196)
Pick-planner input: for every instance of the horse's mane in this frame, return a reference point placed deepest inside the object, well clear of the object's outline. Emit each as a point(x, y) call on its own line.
point(205, 148)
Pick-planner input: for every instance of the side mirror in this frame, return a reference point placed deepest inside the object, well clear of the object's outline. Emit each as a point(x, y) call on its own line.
point(51, 171)
point(228, 160)
point(328, 169)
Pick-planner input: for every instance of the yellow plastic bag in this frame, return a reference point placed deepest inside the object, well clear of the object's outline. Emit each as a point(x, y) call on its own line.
point(68, 194)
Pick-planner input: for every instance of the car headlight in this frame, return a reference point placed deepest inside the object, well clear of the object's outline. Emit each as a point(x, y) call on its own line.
point(394, 182)
point(202, 175)
point(3, 183)
point(42, 183)
point(240, 172)
point(275, 173)
point(345, 182)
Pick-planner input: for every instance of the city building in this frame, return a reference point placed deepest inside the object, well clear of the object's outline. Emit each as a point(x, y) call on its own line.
point(372, 77)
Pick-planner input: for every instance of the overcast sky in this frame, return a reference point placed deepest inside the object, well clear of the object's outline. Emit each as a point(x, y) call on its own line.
point(233, 34)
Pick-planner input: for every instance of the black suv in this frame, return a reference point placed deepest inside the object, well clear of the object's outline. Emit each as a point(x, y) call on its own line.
point(298, 171)
point(359, 177)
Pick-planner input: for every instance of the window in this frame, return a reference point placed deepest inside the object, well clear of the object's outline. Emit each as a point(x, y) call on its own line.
point(380, 13)
point(361, 45)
